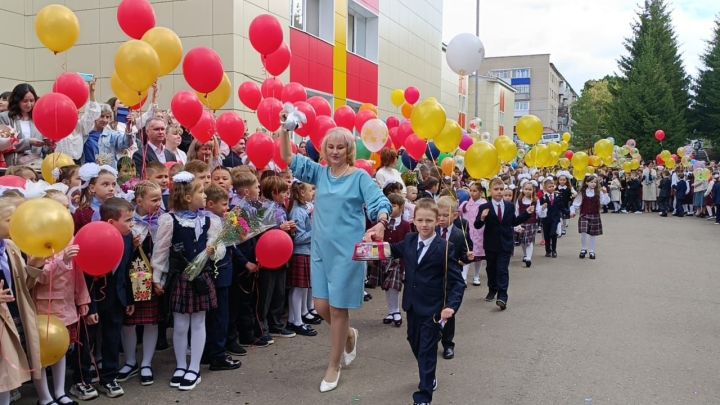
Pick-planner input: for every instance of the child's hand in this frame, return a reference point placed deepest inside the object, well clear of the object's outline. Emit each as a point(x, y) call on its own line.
point(38, 262)
point(92, 319)
point(484, 214)
point(210, 250)
point(286, 226)
point(70, 253)
point(129, 310)
point(5, 293)
point(251, 267)
point(531, 209)
point(158, 289)
point(544, 206)
point(83, 310)
point(470, 256)
point(446, 314)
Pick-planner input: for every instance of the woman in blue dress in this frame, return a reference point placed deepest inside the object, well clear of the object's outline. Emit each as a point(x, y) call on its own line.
point(344, 194)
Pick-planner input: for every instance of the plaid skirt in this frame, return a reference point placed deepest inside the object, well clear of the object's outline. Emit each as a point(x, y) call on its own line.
point(527, 235)
point(388, 274)
point(299, 273)
point(146, 313)
point(590, 224)
point(185, 300)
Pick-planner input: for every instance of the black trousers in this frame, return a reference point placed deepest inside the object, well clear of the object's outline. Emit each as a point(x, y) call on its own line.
point(717, 213)
point(498, 273)
point(272, 298)
point(679, 209)
point(663, 204)
point(111, 317)
point(550, 236)
point(80, 356)
point(216, 325)
point(423, 335)
point(244, 325)
point(448, 333)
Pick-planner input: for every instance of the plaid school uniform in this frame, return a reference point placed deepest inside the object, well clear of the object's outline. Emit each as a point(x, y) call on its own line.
point(589, 221)
point(530, 227)
point(393, 271)
point(298, 275)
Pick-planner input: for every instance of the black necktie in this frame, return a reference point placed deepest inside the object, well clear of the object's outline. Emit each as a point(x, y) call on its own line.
point(444, 233)
point(421, 246)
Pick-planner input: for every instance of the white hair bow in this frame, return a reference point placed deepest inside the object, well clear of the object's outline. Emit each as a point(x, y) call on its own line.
point(294, 117)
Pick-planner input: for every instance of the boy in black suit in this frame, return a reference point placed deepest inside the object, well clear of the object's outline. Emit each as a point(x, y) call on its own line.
point(434, 289)
point(551, 215)
point(498, 218)
point(681, 190)
point(664, 193)
point(462, 251)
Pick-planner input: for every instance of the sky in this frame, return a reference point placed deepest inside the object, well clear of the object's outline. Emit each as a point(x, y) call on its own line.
point(583, 37)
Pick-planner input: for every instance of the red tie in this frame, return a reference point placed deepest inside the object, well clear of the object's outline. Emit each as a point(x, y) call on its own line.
point(499, 213)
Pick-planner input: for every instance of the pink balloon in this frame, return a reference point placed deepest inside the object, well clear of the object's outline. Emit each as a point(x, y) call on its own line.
point(362, 117)
point(204, 130)
point(310, 116)
point(293, 92)
point(230, 127)
point(466, 141)
point(272, 87)
point(321, 105)
point(266, 34)
point(412, 95)
point(187, 108)
point(392, 122)
point(203, 69)
point(72, 85)
point(345, 117)
point(276, 62)
point(250, 95)
point(135, 17)
point(268, 113)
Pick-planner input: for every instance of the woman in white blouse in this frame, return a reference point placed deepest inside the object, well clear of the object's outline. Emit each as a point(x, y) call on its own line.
point(18, 118)
point(388, 173)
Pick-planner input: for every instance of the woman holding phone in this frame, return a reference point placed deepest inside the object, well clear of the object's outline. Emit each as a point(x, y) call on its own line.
point(18, 121)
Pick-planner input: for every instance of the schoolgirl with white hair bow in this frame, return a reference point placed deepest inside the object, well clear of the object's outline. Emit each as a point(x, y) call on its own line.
point(99, 184)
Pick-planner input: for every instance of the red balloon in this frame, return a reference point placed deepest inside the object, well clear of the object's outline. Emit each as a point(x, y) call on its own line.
point(277, 156)
point(321, 105)
point(187, 108)
point(230, 127)
point(55, 116)
point(362, 117)
point(404, 130)
point(365, 165)
point(415, 147)
point(293, 92)
point(412, 95)
point(260, 148)
point(345, 117)
point(274, 249)
point(309, 111)
point(659, 160)
point(101, 248)
point(272, 87)
point(395, 137)
point(322, 125)
point(276, 62)
point(250, 95)
point(268, 113)
point(660, 135)
point(203, 69)
point(569, 154)
point(392, 122)
point(135, 17)
point(73, 86)
point(204, 130)
point(266, 34)
point(13, 181)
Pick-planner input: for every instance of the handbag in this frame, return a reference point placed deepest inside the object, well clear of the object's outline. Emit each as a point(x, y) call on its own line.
point(371, 251)
point(141, 277)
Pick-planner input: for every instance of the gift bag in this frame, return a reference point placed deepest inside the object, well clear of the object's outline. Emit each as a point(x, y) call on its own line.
point(370, 251)
point(141, 277)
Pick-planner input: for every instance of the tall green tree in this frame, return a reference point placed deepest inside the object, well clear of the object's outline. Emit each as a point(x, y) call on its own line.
point(652, 91)
point(706, 105)
point(591, 113)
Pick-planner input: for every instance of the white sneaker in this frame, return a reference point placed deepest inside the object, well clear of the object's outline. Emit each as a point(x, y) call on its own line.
point(476, 281)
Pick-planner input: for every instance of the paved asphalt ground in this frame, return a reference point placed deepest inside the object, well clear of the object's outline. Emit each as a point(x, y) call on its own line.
point(639, 325)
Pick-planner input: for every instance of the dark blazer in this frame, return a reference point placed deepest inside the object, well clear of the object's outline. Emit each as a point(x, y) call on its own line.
point(464, 226)
point(498, 237)
point(423, 291)
point(681, 189)
point(459, 242)
point(232, 160)
point(554, 210)
point(150, 156)
point(665, 187)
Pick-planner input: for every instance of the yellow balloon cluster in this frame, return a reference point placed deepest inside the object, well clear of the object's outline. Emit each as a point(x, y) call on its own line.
point(449, 137)
point(137, 64)
point(54, 161)
point(580, 160)
point(41, 227)
point(54, 339)
point(604, 149)
point(57, 27)
point(507, 150)
point(481, 160)
point(217, 98)
point(428, 118)
point(529, 129)
point(168, 47)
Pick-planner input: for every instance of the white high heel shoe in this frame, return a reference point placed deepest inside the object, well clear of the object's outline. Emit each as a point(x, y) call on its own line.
point(348, 358)
point(329, 386)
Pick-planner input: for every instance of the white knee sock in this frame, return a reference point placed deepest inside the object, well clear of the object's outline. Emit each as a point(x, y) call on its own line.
point(477, 268)
point(180, 339)
point(528, 251)
point(310, 304)
point(150, 337)
point(129, 344)
point(41, 387)
point(297, 296)
point(304, 302)
point(5, 398)
point(197, 342)
point(592, 243)
point(392, 297)
point(583, 241)
point(465, 271)
point(58, 372)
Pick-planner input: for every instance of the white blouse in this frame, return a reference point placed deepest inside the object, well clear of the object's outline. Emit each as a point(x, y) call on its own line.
point(163, 243)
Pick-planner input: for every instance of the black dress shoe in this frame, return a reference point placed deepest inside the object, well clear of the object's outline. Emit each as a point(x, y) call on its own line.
point(583, 253)
point(528, 263)
point(554, 254)
point(146, 379)
point(448, 353)
point(501, 304)
point(547, 254)
point(226, 363)
point(490, 296)
point(592, 255)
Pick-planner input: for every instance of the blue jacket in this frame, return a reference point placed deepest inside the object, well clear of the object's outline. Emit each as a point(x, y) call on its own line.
point(681, 189)
point(301, 215)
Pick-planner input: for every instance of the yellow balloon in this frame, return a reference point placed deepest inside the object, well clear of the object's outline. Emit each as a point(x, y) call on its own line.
point(566, 137)
point(681, 151)
point(564, 162)
point(529, 129)
point(447, 166)
point(579, 173)
point(580, 160)
point(595, 160)
point(603, 148)
point(635, 164)
point(531, 158)
point(670, 164)
point(542, 155)
point(449, 138)
point(554, 158)
point(217, 98)
point(427, 119)
point(554, 147)
point(666, 155)
point(397, 97)
point(627, 167)
point(168, 47)
point(609, 161)
point(53, 161)
point(137, 64)
point(685, 161)
point(368, 106)
point(507, 150)
point(57, 27)
point(590, 170)
point(564, 145)
point(41, 227)
point(125, 94)
point(54, 339)
point(481, 160)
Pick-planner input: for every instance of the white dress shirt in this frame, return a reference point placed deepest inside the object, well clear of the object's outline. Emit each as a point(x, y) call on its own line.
point(426, 244)
point(160, 153)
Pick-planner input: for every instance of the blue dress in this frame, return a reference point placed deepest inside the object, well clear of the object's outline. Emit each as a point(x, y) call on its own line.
point(338, 224)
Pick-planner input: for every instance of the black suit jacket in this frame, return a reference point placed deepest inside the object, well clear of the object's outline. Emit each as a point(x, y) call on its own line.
point(554, 209)
point(150, 156)
point(423, 292)
point(497, 236)
point(460, 243)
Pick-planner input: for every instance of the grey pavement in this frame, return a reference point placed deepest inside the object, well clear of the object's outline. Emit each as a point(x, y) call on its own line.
point(639, 325)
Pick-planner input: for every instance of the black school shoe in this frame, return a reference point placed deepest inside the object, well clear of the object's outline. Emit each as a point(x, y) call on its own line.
point(548, 254)
point(490, 296)
point(189, 381)
point(146, 379)
point(302, 330)
point(554, 254)
point(225, 363)
point(501, 304)
point(583, 253)
point(310, 319)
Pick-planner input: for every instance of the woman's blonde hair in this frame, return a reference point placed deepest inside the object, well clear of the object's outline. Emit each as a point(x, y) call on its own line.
point(341, 134)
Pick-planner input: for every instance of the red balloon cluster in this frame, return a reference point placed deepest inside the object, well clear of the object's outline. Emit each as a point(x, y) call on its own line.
point(272, 88)
point(73, 86)
point(266, 34)
point(293, 92)
point(277, 155)
point(101, 248)
point(268, 113)
point(250, 95)
point(392, 122)
point(135, 17)
point(362, 117)
point(55, 116)
point(321, 106)
point(274, 249)
point(275, 63)
point(366, 165)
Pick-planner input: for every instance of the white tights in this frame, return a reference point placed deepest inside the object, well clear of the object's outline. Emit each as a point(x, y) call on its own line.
point(129, 344)
point(42, 387)
point(392, 297)
point(528, 251)
point(584, 239)
point(475, 266)
point(194, 322)
point(298, 305)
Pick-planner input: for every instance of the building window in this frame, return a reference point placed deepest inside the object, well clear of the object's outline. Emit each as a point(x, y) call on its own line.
point(522, 88)
point(314, 17)
point(502, 74)
point(362, 35)
point(522, 106)
point(520, 73)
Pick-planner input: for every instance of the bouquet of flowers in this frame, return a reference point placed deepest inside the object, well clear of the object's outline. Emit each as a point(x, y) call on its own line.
point(238, 226)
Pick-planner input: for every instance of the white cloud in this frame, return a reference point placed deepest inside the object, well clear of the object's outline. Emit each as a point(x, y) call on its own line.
point(584, 37)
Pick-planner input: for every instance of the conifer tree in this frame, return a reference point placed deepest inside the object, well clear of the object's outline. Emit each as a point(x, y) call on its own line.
point(706, 106)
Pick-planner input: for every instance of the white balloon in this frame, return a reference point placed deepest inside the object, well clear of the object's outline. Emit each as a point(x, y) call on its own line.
point(374, 134)
point(465, 53)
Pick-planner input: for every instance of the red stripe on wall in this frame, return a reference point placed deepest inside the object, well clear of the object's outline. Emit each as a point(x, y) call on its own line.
point(362, 79)
point(312, 61)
